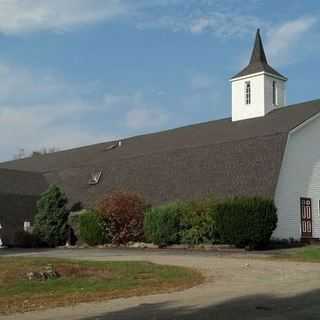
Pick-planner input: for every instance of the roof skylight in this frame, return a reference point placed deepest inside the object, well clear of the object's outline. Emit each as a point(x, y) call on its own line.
point(95, 178)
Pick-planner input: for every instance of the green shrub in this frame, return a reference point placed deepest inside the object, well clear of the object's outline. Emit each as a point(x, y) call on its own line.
point(74, 222)
point(197, 222)
point(50, 223)
point(162, 224)
point(190, 222)
point(246, 221)
point(92, 228)
point(24, 239)
point(123, 213)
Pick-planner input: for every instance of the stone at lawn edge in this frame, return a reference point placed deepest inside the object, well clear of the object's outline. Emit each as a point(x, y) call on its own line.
point(142, 245)
point(48, 273)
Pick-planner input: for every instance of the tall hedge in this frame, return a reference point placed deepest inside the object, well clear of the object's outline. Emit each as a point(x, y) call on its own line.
point(92, 228)
point(162, 224)
point(246, 221)
point(50, 222)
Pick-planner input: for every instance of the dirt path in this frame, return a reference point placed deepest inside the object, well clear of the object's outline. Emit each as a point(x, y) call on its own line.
point(239, 287)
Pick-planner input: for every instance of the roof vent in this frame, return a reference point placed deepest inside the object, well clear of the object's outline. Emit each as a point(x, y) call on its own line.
point(111, 147)
point(114, 146)
point(95, 178)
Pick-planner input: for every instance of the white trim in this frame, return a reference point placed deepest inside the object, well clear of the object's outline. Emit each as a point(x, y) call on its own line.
point(258, 74)
point(304, 123)
point(300, 126)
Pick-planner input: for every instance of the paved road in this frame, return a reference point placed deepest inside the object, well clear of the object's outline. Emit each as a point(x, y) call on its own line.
point(238, 287)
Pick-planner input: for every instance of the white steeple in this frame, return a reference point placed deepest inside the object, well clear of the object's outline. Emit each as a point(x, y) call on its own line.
point(258, 88)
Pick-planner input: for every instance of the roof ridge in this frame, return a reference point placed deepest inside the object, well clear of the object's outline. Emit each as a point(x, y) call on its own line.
point(141, 155)
point(123, 139)
point(171, 131)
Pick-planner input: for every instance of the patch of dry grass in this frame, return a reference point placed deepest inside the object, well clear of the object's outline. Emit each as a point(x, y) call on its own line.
point(84, 281)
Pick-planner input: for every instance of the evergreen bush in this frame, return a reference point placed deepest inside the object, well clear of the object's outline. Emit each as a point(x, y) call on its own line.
point(50, 222)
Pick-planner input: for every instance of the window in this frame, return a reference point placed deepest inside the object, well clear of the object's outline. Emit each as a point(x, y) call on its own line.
point(274, 93)
point(247, 92)
point(27, 226)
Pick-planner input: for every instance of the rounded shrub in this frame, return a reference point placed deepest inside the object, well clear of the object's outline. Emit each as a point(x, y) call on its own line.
point(162, 224)
point(246, 222)
point(123, 213)
point(92, 228)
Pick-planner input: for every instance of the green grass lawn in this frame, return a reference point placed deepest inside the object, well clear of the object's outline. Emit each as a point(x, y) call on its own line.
point(84, 281)
point(304, 254)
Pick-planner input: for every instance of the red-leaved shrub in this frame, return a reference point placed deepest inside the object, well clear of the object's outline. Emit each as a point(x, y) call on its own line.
point(123, 213)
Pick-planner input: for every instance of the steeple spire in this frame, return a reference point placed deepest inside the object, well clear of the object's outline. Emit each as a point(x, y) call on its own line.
point(258, 55)
point(258, 61)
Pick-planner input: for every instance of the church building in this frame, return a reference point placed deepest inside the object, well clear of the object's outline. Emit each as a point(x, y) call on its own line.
point(265, 149)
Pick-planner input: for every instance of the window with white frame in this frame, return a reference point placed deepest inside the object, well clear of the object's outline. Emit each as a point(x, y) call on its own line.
point(27, 226)
point(274, 93)
point(247, 92)
point(1, 242)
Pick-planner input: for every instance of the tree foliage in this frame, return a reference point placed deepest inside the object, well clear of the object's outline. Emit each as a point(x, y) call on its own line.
point(123, 213)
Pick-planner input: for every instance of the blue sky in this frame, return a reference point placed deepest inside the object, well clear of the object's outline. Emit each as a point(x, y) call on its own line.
point(78, 72)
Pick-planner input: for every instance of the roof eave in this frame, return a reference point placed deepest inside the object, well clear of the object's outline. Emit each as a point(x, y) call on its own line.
point(280, 77)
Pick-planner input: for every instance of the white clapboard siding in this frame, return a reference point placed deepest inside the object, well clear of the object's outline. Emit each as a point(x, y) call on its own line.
point(299, 177)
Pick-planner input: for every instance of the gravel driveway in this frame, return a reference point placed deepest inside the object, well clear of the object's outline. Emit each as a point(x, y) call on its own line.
point(238, 286)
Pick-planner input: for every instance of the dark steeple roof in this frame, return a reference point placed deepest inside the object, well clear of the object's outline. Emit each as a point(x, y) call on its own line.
point(258, 55)
point(258, 61)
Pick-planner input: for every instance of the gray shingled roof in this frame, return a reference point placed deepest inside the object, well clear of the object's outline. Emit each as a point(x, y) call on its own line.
point(221, 157)
point(21, 182)
point(258, 61)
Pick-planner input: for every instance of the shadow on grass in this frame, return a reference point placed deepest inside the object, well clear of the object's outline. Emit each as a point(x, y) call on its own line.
point(15, 251)
point(303, 306)
point(278, 245)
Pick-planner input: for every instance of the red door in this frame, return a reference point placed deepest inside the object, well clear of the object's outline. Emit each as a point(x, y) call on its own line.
point(306, 218)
